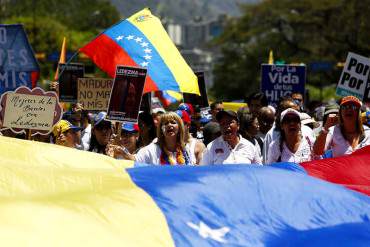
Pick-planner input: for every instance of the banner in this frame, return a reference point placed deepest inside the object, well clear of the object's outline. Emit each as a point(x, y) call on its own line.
point(202, 99)
point(282, 80)
point(94, 93)
point(26, 109)
point(69, 74)
point(354, 76)
point(125, 99)
point(18, 65)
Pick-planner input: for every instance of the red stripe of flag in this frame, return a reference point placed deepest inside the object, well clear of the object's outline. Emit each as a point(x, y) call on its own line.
point(106, 53)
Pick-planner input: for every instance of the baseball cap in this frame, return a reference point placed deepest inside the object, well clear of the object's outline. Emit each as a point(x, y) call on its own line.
point(63, 126)
point(230, 113)
point(99, 119)
point(351, 99)
point(184, 116)
point(130, 127)
point(186, 107)
point(289, 111)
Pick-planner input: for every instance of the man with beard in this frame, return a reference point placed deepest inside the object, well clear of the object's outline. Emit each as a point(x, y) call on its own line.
point(230, 147)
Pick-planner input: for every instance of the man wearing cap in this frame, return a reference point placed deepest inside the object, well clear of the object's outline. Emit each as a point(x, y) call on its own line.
point(345, 133)
point(65, 134)
point(230, 147)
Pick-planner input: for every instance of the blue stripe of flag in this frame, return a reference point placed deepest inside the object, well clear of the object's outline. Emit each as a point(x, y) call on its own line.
point(157, 69)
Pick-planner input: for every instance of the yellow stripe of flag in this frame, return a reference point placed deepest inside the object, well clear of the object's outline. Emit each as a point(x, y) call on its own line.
point(157, 35)
point(56, 196)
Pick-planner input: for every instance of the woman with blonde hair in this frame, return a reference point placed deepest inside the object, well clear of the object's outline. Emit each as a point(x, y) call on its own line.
point(169, 149)
point(345, 133)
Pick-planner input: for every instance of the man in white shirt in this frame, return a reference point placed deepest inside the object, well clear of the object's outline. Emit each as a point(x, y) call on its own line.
point(230, 147)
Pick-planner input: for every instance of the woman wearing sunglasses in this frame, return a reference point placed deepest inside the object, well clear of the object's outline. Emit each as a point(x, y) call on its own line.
point(344, 134)
point(292, 146)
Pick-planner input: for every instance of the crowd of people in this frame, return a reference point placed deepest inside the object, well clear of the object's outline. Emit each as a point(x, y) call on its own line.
point(256, 134)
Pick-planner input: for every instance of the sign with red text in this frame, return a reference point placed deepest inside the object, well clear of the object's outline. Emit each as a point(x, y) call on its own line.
point(30, 109)
point(127, 91)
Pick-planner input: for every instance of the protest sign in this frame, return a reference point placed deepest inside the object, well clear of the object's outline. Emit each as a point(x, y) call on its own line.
point(282, 80)
point(94, 93)
point(202, 99)
point(125, 99)
point(18, 65)
point(30, 109)
point(69, 74)
point(354, 76)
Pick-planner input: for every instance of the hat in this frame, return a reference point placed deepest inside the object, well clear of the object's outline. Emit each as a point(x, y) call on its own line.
point(158, 110)
point(307, 119)
point(351, 99)
point(289, 111)
point(130, 127)
point(186, 107)
point(230, 113)
point(332, 108)
point(99, 118)
point(205, 119)
point(63, 126)
point(184, 116)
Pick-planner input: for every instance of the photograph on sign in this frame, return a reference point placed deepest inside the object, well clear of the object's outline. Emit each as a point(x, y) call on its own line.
point(94, 93)
point(354, 76)
point(18, 65)
point(69, 74)
point(127, 91)
point(282, 80)
point(199, 100)
point(30, 109)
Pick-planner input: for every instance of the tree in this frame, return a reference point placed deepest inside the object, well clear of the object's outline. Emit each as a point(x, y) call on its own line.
point(297, 31)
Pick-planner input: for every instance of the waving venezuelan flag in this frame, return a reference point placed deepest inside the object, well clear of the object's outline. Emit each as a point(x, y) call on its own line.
point(142, 41)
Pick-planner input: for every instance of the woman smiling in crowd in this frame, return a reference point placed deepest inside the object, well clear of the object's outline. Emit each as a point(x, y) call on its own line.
point(345, 134)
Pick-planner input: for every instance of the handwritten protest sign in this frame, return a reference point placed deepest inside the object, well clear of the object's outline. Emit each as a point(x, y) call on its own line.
point(94, 93)
point(282, 80)
point(69, 74)
point(354, 76)
point(18, 65)
point(125, 99)
point(26, 109)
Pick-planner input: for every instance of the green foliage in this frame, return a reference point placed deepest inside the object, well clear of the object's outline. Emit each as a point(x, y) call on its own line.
point(302, 31)
point(47, 21)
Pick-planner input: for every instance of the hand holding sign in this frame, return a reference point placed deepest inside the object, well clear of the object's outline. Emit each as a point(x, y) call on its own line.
point(354, 76)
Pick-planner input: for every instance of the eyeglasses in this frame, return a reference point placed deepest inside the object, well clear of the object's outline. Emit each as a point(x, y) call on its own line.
point(349, 107)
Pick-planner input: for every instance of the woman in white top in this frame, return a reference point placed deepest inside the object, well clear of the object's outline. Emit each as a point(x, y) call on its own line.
point(292, 145)
point(169, 149)
point(344, 134)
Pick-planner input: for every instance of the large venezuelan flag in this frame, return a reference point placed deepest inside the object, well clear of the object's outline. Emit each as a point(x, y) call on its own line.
point(56, 196)
point(142, 41)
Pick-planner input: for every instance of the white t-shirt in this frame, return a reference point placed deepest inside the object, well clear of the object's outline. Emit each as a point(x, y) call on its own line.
point(304, 152)
point(336, 142)
point(220, 152)
point(190, 147)
point(273, 135)
point(86, 137)
point(151, 154)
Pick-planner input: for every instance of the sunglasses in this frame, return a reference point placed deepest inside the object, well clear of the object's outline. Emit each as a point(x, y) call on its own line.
point(103, 126)
point(349, 107)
